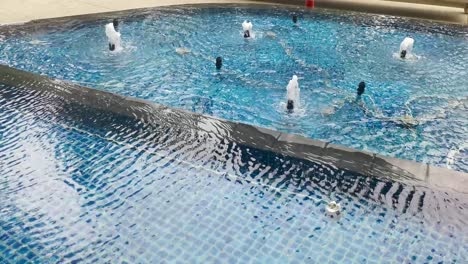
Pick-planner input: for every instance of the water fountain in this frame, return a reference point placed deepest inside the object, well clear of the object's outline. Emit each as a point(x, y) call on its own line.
point(219, 63)
point(247, 27)
point(333, 209)
point(406, 47)
point(294, 19)
point(361, 88)
point(293, 93)
point(113, 37)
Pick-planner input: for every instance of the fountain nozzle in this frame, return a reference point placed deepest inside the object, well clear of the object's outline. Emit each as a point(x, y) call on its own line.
point(361, 88)
point(403, 54)
point(333, 208)
point(219, 63)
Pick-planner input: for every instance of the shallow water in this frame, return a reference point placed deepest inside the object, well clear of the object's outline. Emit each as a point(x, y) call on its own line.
point(330, 52)
point(79, 185)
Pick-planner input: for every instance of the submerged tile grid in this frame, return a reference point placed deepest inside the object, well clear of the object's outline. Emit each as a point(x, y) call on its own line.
point(108, 194)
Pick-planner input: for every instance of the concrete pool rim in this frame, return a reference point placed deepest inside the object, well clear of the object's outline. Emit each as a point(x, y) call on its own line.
point(33, 26)
point(290, 145)
point(422, 9)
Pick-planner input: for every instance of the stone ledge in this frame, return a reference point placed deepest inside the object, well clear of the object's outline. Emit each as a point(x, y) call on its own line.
point(427, 10)
point(393, 8)
point(448, 179)
point(399, 168)
point(361, 162)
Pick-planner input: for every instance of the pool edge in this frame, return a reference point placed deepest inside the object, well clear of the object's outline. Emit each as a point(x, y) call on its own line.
point(439, 13)
point(362, 162)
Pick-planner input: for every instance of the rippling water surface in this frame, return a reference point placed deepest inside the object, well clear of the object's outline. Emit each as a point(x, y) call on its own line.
point(330, 52)
point(82, 185)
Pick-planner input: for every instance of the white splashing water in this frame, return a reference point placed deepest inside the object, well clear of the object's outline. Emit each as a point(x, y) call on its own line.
point(247, 26)
point(113, 37)
point(293, 91)
point(407, 45)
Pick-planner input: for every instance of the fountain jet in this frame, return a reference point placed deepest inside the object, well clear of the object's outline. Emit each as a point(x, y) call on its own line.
point(247, 27)
point(406, 47)
point(293, 93)
point(113, 37)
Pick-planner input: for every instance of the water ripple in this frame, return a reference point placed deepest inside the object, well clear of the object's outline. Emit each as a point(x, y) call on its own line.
point(79, 184)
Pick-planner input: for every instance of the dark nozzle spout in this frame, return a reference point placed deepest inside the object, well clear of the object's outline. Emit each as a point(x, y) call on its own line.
point(115, 22)
point(403, 54)
point(290, 105)
point(219, 63)
point(111, 47)
point(294, 19)
point(361, 88)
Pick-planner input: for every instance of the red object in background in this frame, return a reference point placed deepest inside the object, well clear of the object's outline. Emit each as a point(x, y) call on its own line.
point(310, 3)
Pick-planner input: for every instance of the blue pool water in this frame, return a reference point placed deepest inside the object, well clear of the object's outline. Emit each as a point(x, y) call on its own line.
point(330, 52)
point(79, 185)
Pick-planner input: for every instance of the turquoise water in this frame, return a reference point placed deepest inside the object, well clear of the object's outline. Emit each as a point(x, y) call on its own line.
point(330, 52)
point(78, 185)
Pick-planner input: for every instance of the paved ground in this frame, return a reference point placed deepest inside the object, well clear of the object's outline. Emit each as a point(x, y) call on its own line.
point(15, 11)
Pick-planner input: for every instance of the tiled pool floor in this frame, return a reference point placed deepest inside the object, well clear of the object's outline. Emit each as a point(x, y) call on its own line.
point(78, 184)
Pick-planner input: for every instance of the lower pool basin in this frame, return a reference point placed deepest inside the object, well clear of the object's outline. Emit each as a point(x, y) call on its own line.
point(80, 183)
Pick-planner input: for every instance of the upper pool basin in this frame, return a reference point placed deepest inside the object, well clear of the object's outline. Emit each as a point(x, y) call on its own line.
point(168, 57)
